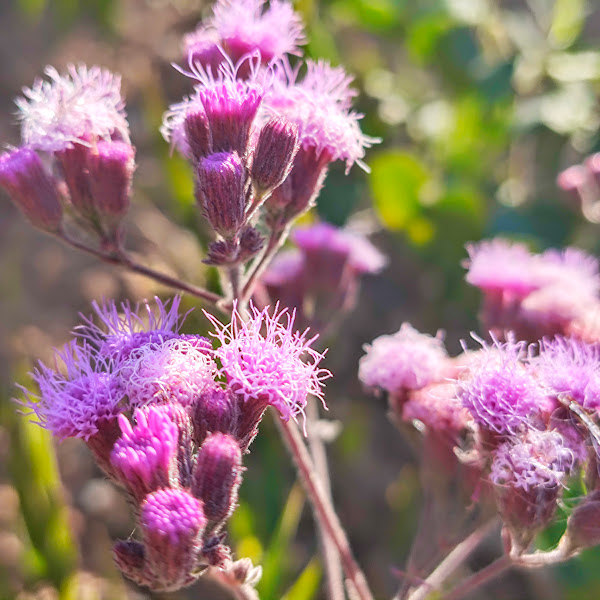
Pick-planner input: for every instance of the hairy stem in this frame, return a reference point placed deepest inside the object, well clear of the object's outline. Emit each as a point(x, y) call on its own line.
point(331, 557)
point(478, 579)
point(457, 557)
point(323, 509)
point(121, 259)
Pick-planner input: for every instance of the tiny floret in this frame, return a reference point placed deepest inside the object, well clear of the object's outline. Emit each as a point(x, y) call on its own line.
point(406, 360)
point(262, 359)
point(74, 107)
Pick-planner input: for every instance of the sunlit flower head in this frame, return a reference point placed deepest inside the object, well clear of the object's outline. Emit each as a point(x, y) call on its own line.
point(405, 360)
point(82, 104)
point(319, 105)
point(262, 356)
point(76, 395)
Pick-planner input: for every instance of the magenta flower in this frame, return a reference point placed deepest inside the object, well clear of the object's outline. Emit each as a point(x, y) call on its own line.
point(499, 265)
point(247, 26)
point(143, 456)
point(122, 329)
point(540, 459)
point(174, 370)
point(319, 105)
point(82, 104)
point(261, 358)
point(498, 389)
point(406, 360)
point(77, 396)
point(569, 367)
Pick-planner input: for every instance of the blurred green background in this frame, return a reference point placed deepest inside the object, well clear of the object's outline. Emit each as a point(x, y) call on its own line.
point(480, 104)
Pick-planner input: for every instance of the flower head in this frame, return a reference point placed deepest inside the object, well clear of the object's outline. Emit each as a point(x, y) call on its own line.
point(540, 459)
point(499, 390)
point(143, 455)
point(567, 366)
point(125, 328)
point(406, 360)
point(261, 358)
point(319, 105)
point(245, 26)
point(174, 370)
point(71, 108)
point(76, 396)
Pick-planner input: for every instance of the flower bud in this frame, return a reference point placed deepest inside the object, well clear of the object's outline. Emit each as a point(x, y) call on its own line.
point(74, 165)
point(143, 457)
point(197, 134)
point(583, 526)
point(572, 181)
point(213, 412)
point(275, 151)
point(217, 476)
point(31, 189)
point(220, 192)
point(251, 242)
point(172, 523)
point(130, 558)
point(301, 187)
point(215, 552)
point(111, 166)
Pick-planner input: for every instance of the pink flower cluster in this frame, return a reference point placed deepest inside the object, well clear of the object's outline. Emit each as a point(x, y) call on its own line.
point(168, 418)
point(535, 295)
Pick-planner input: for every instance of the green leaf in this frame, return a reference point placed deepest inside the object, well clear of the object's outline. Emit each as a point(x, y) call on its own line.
point(568, 18)
point(280, 543)
point(396, 182)
point(307, 585)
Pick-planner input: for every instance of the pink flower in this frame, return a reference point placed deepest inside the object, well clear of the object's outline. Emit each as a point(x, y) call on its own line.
point(82, 104)
point(261, 357)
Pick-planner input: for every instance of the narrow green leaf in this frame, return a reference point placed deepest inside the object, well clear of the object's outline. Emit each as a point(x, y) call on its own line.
point(307, 584)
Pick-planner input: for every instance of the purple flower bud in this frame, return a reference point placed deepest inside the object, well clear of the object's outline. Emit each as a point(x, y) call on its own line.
point(275, 151)
point(301, 187)
point(143, 456)
point(130, 558)
point(231, 107)
point(527, 474)
point(73, 161)
point(215, 553)
point(111, 168)
point(31, 189)
point(201, 48)
point(222, 253)
point(172, 523)
point(217, 476)
point(197, 134)
point(221, 193)
point(213, 412)
point(583, 526)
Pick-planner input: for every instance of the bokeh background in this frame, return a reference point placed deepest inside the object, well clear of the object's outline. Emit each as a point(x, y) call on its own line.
point(480, 103)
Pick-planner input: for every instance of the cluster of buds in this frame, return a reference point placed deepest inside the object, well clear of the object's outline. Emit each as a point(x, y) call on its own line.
point(525, 415)
point(170, 427)
point(581, 187)
point(76, 163)
point(536, 295)
point(320, 277)
point(258, 138)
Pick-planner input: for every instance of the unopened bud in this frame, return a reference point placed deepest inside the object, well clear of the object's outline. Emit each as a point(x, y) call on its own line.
point(221, 193)
point(214, 412)
point(222, 253)
point(583, 526)
point(31, 189)
point(74, 166)
point(143, 458)
point(251, 242)
point(197, 134)
point(172, 523)
point(130, 558)
point(111, 166)
point(276, 149)
point(217, 476)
